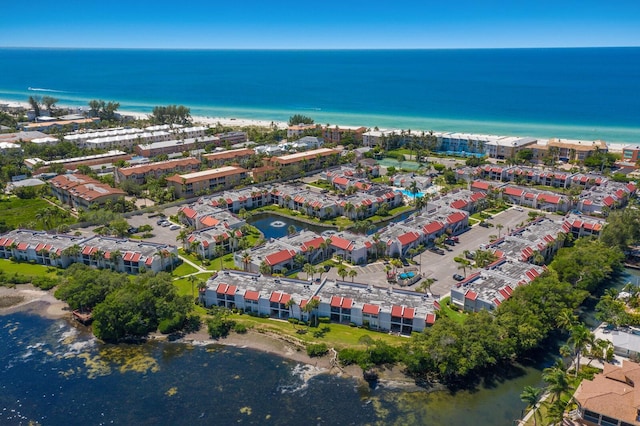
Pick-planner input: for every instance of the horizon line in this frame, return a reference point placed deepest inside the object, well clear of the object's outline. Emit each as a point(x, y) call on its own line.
point(317, 48)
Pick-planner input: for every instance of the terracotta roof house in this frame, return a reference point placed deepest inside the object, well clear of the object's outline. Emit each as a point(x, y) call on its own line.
point(81, 192)
point(205, 181)
point(611, 398)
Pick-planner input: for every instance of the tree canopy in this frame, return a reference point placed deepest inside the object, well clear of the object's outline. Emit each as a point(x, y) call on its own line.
point(300, 119)
point(123, 306)
point(171, 114)
point(106, 111)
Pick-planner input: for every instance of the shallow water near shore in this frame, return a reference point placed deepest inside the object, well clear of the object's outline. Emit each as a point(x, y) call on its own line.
point(54, 372)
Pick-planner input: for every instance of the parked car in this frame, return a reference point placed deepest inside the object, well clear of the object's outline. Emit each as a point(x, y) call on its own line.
point(520, 209)
point(436, 250)
point(160, 221)
point(404, 262)
point(458, 277)
point(449, 242)
point(175, 227)
point(165, 223)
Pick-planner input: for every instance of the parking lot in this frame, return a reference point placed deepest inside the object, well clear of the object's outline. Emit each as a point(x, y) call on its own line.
point(161, 234)
point(442, 267)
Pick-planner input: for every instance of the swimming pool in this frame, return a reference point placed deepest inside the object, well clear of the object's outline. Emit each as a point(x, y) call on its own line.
point(406, 275)
point(410, 194)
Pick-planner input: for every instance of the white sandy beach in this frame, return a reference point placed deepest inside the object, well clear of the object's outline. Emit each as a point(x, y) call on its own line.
point(614, 147)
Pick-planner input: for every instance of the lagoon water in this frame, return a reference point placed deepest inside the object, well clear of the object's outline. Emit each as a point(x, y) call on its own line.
point(584, 93)
point(56, 374)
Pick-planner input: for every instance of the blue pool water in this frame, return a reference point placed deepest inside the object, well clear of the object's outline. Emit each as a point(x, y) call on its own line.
point(409, 193)
point(406, 275)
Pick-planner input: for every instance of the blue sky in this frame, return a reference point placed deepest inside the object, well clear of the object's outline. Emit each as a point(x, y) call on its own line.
point(327, 24)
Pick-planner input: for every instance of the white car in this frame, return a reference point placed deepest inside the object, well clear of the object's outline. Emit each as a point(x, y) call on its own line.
point(175, 227)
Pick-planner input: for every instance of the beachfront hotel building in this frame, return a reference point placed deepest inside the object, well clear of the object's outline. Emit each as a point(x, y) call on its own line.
point(337, 134)
point(382, 309)
point(232, 156)
point(308, 160)
point(51, 125)
point(139, 174)
point(631, 153)
point(297, 131)
point(207, 181)
point(507, 146)
point(37, 165)
point(119, 254)
point(567, 150)
point(82, 192)
point(173, 146)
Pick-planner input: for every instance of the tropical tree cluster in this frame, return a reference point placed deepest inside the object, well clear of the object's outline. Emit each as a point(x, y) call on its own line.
point(171, 114)
point(106, 111)
point(299, 119)
point(451, 351)
point(125, 307)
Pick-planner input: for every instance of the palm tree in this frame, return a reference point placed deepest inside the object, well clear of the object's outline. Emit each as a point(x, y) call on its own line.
point(581, 336)
point(246, 260)
point(265, 269)
point(291, 230)
point(299, 259)
point(566, 319)
point(312, 305)
point(342, 271)
point(220, 251)
point(192, 279)
point(531, 395)
point(353, 273)
point(556, 379)
point(309, 269)
point(289, 305)
point(499, 227)
point(462, 264)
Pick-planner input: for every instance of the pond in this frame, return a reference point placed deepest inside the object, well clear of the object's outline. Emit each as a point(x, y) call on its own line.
point(276, 226)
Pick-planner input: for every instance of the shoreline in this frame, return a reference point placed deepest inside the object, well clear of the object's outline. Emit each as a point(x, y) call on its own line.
point(441, 125)
point(28, 299)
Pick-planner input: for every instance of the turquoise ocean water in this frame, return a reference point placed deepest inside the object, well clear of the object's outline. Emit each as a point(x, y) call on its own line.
point(585, 93)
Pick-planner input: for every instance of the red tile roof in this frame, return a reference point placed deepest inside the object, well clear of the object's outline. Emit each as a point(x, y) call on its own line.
point(408, 238)
point(189, 212)
point(516, 192)
point(340, 181)
point(23, 246)
point(430, 319)
point(277, 297)
point(471, 295)
point(209, 221)
point(459, 204)
point(341, 243)
point(456, 217)
point(279, 257)
point(480, 185)
point(315, 243)
point(370, 309)
point(608, 201)
point(432, 228)
point(553, 199)
point(251, 295)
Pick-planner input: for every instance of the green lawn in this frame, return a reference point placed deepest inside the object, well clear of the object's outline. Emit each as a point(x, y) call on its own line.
point(10, 267)
point(445, 310)
point(183, 269)
point(339, 337)
point(322, 184)
point(17, 212)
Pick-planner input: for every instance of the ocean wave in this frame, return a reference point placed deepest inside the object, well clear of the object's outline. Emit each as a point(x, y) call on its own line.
point(304, 373)
point(39, 89)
